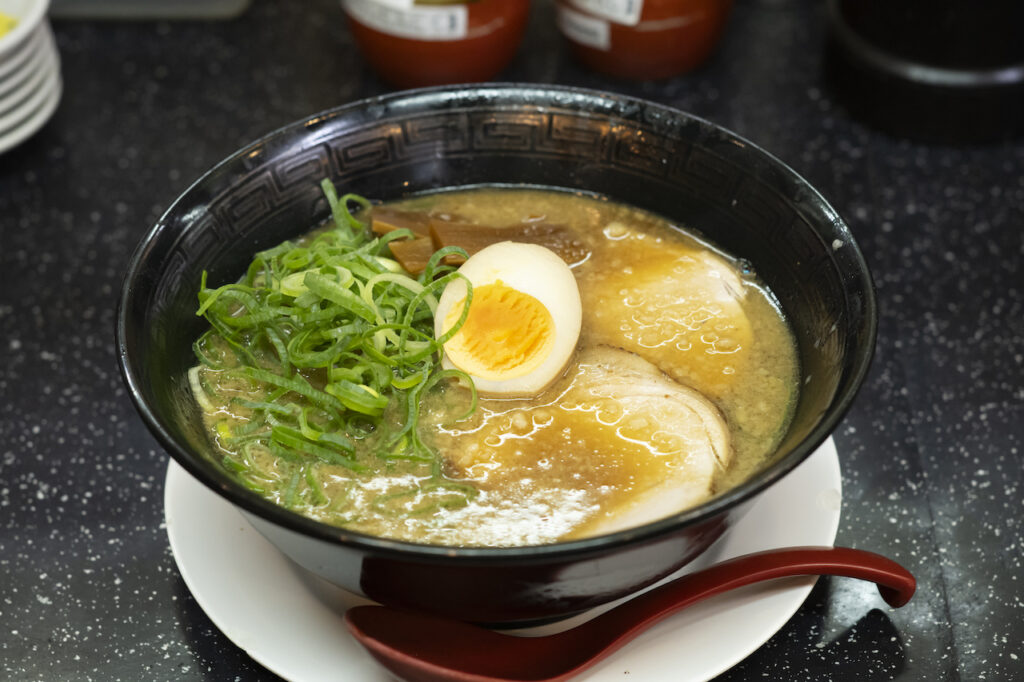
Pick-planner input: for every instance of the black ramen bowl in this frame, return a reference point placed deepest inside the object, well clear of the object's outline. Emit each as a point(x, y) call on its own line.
point(654, 157)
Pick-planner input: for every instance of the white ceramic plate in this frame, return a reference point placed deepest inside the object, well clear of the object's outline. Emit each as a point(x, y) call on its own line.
point(224, 562)
point(35, 63)
point(28, 14)
point(35, 119)
point(13, 62)
point(37, 71)
point(21, 121)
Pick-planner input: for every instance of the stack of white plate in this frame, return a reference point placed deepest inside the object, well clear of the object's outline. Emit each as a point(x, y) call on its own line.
point(30, 83)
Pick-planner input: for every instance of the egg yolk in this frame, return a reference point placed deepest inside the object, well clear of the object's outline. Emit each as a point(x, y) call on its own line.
point(507, 333)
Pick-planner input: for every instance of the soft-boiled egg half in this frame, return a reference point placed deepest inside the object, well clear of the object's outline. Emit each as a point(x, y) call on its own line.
point(523, 322)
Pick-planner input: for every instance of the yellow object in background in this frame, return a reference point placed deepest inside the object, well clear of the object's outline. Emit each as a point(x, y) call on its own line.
point(7, 24)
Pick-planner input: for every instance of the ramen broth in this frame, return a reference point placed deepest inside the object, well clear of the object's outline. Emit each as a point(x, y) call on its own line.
point(684, 321)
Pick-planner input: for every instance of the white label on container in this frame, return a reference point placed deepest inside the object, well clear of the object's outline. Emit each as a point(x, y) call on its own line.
point(401, 18)
point(584, 29)
point(620, 11)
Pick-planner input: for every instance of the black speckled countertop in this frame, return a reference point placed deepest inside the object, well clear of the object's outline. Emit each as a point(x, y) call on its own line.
point(931, 452)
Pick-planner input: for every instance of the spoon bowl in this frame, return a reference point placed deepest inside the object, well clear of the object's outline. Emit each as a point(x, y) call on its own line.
point(423, 648)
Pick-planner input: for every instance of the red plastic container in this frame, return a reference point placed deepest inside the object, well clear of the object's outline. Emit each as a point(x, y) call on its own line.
point(642, 39)
point(412, 45)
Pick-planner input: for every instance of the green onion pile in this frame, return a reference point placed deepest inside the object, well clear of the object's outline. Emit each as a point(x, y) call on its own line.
point(319, 357)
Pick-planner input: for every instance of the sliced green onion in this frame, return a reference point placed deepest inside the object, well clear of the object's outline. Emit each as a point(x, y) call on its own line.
point(197, 390)
point(337, 343)
point(315, 487)
point(358, 397)
point(292, 438)
point(300, 386)
point(336, 293)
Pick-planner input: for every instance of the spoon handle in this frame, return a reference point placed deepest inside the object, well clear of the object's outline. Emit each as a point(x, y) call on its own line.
point(895, 584)
point(428, 648)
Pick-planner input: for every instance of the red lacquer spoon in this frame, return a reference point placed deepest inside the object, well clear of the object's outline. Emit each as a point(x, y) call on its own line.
point(423, 648)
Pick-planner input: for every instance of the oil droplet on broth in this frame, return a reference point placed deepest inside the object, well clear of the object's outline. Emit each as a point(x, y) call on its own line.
point(663, 444)
point(520, 424)
point(481, 471)
point(634, 428)
point(696, 318)
point(634, 299)
point(650, 340)
point(616, 231)
point(726, 345)
point(683, 265)
point(609, 412)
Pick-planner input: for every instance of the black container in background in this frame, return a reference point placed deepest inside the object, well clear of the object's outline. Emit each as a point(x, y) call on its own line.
point(932, 70)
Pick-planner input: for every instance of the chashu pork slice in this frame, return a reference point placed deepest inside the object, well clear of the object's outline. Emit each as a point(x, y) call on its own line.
point(692, 422)
point(686, 313)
